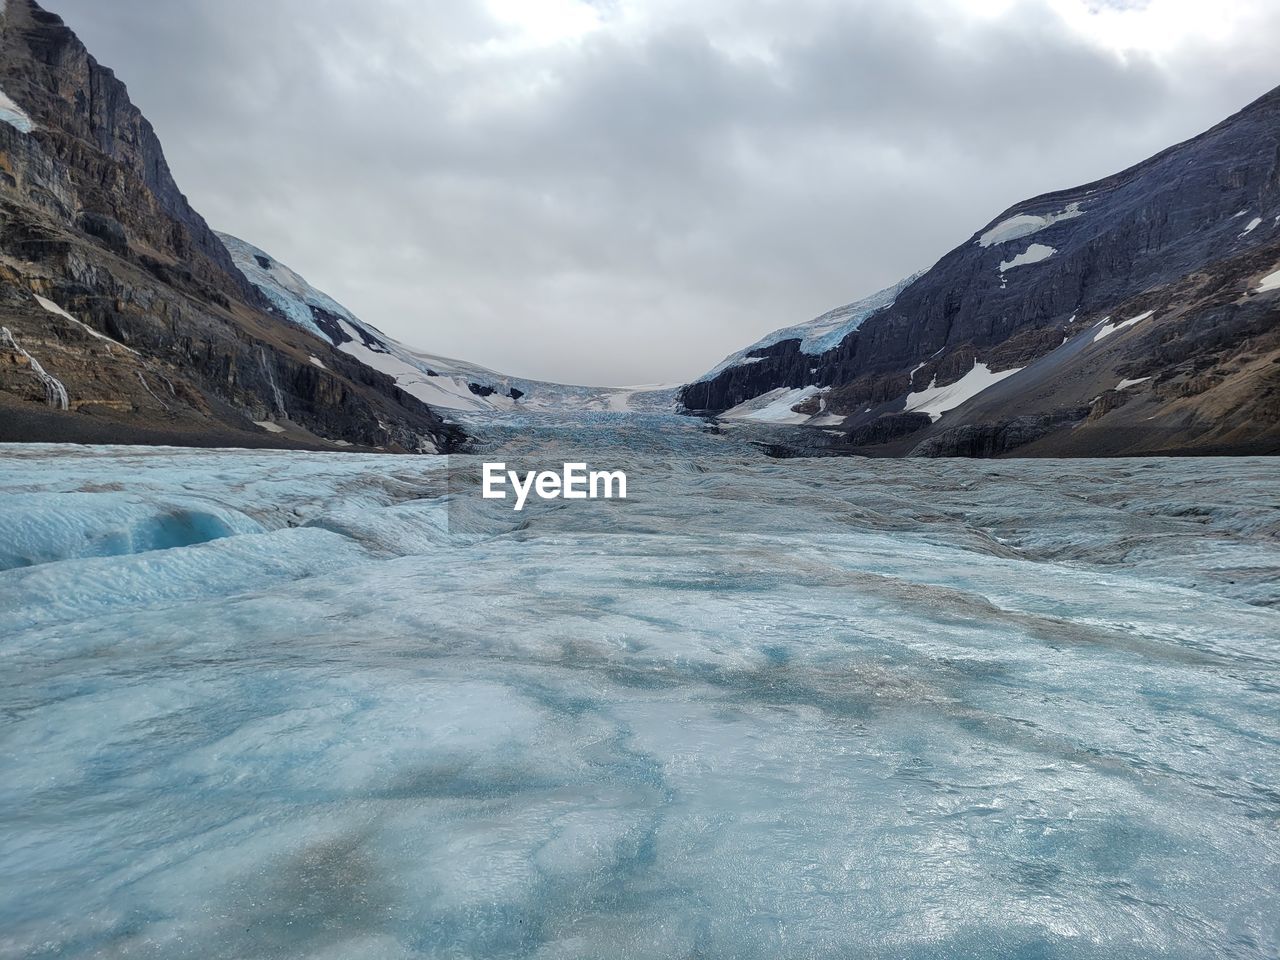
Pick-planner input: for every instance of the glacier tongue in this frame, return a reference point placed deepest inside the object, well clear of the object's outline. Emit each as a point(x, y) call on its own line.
point(440, 382)
point(820, 334)
point(813, 708)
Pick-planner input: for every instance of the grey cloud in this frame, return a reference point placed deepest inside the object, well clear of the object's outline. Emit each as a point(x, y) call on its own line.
point(633, 206)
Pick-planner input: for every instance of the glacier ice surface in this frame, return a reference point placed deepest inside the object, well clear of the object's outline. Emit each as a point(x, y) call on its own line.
point(1024, 224)
point(279, 704)
point(11, 113)
point(822, 333)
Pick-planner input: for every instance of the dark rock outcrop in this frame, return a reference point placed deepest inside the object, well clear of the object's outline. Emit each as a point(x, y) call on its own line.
point(889, 427)
point(1106, 402)
point(994, 439)
point(870, 388)
point(779, 365)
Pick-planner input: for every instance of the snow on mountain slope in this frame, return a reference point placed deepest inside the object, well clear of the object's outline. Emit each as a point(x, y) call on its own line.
point(935, 400)
point(14, 115)
point(1033, 254)
point(775, 406)
point(819, 334)
point(1104, 327)
point(1007, 342)
point(1024, 224)
point(437, 381)
point(434, 381)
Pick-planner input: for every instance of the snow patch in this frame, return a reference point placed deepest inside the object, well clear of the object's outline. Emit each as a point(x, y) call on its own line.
point(14, 115)
point(774, 406)
point(827, 420)
point(1105, 328)
point(316, 361)
point(1033, 254)
point(268, 426)
point(1126, 384)
point(1251, 226)
point(1024, 224)
point(449, 392)
point(935, 400)
point(1270, 282)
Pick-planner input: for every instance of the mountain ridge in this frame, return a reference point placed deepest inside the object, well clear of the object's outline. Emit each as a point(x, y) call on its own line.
point(1135, 314)
point(116, 289)
point(457, 386)
point(1050, 269)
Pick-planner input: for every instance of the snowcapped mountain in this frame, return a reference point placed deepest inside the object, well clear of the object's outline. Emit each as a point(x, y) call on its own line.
point(125, 319)
point(1137, 314)
point(433, 380)
point(818, 335)
point(440, 382)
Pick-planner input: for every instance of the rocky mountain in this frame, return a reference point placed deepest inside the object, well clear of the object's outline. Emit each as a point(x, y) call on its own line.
point(123, 317)
point(1139, 314)
point(443, 383)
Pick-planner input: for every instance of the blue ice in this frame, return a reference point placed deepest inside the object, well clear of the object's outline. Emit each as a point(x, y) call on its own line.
point(806, 708)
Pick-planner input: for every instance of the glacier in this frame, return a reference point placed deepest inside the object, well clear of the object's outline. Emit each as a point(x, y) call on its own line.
point(444, 383)
point(1025, 224)
point(823, 333)
point(286, 704)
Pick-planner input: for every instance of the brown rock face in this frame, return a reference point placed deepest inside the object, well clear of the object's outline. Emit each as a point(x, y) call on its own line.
point(153, 332)
point(1110, 400)
point(87, 125)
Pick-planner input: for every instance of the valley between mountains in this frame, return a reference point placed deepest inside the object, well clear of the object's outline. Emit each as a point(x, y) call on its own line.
point(1137, 315)
point(828, 680)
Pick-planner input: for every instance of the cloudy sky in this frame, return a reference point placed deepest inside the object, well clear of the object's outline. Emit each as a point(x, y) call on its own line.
point(624, 191)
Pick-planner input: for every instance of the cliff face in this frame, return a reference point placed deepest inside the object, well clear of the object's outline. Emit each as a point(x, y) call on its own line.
point(121, 292)
point(86, 123)
point(1187, 237)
